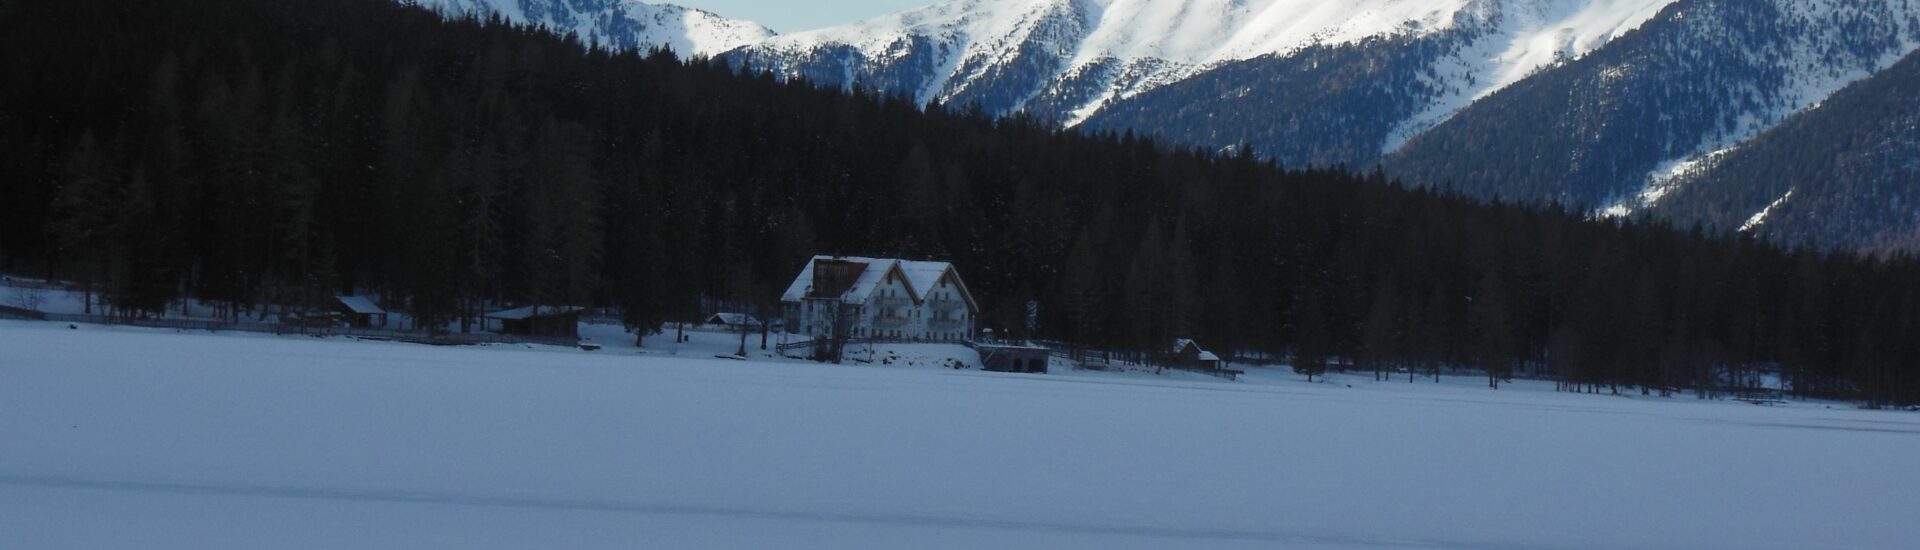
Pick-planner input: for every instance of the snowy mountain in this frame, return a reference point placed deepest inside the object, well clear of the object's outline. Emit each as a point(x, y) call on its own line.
point(1839, 175)
point(621, 24)
point(1602, 104)
point(1065, 59)
point(1613, 129)
point(1346, 103)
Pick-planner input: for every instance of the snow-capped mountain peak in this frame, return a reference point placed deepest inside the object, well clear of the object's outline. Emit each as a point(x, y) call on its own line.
point(1064, 59)
point(622, 24)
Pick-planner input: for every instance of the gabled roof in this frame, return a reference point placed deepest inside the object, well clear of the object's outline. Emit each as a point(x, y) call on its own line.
point(920, 277)
point(862, 286)
point(360, 305)
point(529, 312)
point(735, 319)
point(924, 276)
point(1181, 345)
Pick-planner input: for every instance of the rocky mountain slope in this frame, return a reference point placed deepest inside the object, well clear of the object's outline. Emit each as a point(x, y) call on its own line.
point(621, 24)
point(1346, 103)
point(1841, 175)
point(1611, 130)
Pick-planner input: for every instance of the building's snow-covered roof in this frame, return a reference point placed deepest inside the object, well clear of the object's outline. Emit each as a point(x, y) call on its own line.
point(360, 305)
point(1180, 345)
point(529, 312)
point(921, 276)
point(734, 319)
point(862, 286)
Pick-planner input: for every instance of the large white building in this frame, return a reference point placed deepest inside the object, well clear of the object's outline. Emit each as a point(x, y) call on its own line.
point(854, 297)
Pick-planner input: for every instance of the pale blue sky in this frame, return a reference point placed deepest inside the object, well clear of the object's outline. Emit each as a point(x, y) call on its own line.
point(800, 15)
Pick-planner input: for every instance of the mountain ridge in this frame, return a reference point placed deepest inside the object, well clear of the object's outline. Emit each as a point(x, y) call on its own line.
point(1608, 106)
point(621, 24)
point(1072, 56)
point(1606, 131)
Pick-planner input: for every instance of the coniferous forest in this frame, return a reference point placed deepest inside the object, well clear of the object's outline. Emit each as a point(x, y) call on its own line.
point(256, 152)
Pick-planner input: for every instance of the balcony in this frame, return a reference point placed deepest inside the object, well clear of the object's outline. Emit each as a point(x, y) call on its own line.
point(946, 325)
point(947, 304)
point(891, 302)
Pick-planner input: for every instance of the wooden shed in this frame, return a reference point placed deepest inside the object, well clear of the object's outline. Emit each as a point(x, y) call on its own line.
point(734, 321)
point(1012, 357)
point(1188, 355)
point(540, 321)
point(360, 311)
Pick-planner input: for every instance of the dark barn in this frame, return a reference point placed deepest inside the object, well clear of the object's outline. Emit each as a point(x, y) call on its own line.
point(540, 321)
point(360, 311)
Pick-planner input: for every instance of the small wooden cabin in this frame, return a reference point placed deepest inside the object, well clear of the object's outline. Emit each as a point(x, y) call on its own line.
point(360, 311)
point(539, 321)
point(734, 321)
point(1189, 356)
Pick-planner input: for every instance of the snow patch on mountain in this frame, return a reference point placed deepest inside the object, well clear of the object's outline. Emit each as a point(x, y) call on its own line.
point(1203, 32)
point(1165, 42)
point(621, 24)
point(1822, 57)
point(1663, 182)
point(1522, 38)
point(1761, 217)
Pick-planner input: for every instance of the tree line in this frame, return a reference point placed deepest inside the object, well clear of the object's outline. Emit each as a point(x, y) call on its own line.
point(258, 153)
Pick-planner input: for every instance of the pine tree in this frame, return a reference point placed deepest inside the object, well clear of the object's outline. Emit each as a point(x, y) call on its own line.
point(85, 212)
point(1182, 285)
point(1494, 327)
point(140, 284)
point(1379, 348)
point(1313, 339)
point(563, 238)
point(1146, 292)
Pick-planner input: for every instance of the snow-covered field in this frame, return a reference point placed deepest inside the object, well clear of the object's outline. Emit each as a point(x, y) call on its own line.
point(113, 438)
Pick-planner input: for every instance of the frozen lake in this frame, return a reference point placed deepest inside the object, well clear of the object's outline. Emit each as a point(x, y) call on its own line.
point(146, 439)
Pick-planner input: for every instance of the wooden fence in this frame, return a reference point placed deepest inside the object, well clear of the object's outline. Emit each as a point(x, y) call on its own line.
point(444, 339)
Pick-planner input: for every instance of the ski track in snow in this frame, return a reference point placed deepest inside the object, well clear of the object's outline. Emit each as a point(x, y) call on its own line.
point(351, 496)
